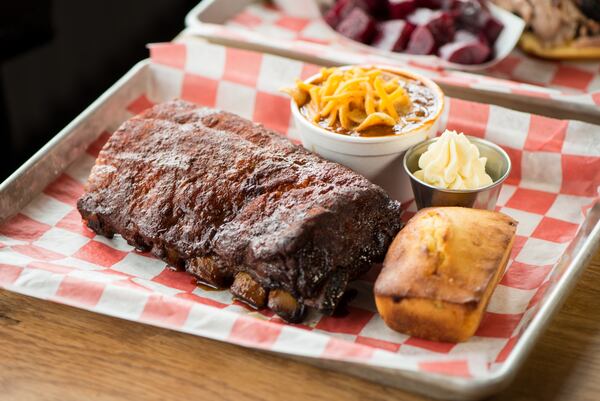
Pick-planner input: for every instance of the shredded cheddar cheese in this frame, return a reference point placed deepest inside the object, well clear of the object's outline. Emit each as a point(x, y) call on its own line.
point(355, 98)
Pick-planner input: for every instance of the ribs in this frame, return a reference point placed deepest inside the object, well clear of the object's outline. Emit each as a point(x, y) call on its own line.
point(238, 206)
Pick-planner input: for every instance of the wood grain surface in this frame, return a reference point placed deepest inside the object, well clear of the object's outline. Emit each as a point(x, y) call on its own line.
point(55, 352)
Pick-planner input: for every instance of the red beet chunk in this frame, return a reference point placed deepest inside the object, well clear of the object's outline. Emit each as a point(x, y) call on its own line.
point(376, 8)
point(439, 23)
point(342, 8)
point(399, 9)
point(447, 4)
point(432, 4)
point(421, 41)
point(475, 17)
point(470, 14)
point(359, 26)
point(393, 35)
point(441, 26)
point(339, 11)
point(491, 29)
point(436, 4)
point(465, 50)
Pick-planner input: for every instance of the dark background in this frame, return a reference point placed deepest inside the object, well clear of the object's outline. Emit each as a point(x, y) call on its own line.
point(56, 57)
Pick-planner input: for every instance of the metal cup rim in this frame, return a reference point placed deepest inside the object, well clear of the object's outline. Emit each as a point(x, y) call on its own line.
point(472, 139)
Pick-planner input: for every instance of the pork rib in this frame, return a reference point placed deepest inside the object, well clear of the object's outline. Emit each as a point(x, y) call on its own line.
point(238, 205)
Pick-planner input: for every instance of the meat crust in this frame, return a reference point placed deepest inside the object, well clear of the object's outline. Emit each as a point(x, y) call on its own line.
point(217, 195)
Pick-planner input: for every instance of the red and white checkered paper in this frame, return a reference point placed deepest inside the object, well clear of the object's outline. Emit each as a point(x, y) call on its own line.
point(263, 24)
point(46, 252)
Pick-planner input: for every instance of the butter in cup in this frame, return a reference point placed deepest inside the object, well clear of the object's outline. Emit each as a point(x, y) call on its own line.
point(497, 166)
point(453, 162)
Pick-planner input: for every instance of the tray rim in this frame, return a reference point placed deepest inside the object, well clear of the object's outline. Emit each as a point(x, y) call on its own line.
point(566, 109)
point(441, 386)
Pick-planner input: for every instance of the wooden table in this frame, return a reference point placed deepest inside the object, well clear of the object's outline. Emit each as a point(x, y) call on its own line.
point(55, 352)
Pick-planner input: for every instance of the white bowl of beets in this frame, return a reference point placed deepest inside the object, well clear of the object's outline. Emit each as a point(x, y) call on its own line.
point(458, 34)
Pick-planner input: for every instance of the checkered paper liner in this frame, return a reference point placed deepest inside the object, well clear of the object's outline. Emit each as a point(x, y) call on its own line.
point(46, 252)
point(263, 24)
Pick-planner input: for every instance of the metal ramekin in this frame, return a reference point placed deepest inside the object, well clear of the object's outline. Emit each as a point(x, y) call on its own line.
point(498, 167)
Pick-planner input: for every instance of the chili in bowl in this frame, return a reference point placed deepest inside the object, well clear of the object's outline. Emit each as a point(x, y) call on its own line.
point(366, 117)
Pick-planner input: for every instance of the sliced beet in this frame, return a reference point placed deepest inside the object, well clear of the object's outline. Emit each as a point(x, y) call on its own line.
point(447, 4)
point(399, 9)
point(441, 26)
point(421, 41)
point(342, 8)
point(474, 16)
point(393, 35)
point(431, 4)
point(359, 26)
point(376, 8)
point(491, 29)
point(469, 52)
point(440, 23)
point(436, 4)
point(338, 11)
point(470, 14)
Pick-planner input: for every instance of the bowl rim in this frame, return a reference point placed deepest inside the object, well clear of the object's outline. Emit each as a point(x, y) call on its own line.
point(437, 91)
point(476, 141)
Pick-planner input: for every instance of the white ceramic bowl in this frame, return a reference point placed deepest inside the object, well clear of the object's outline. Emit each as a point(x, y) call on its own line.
point(377, 158)
point(506, 42)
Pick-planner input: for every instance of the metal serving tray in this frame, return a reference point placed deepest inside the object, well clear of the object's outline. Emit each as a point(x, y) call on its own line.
point(106, 113)
point(218, 12)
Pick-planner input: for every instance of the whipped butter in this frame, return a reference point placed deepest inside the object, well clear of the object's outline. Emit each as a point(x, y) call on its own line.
point(453, 162)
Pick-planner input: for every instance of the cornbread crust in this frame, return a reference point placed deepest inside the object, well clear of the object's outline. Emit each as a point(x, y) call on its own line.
point(440, 272)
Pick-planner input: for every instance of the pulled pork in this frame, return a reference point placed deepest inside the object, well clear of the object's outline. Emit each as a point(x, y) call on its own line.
point(556, 22)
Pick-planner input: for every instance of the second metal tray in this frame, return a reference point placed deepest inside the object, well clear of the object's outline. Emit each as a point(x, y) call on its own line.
point(214, 13)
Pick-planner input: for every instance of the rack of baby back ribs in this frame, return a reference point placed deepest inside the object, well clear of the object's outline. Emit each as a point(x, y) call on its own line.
point(239, 206)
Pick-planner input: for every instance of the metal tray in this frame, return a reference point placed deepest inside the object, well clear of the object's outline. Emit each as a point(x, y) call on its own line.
point(218, 12)
point(106, 114)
